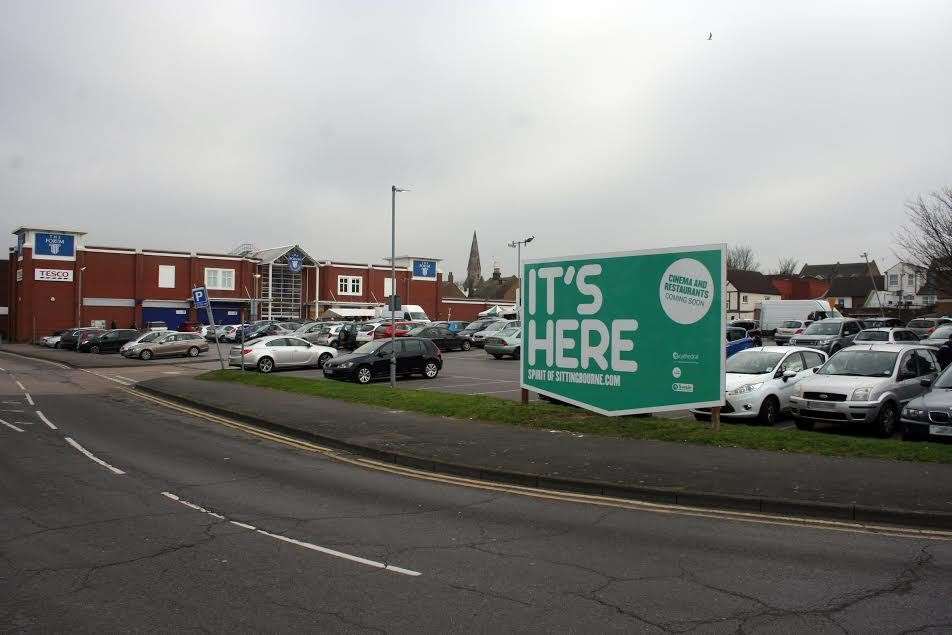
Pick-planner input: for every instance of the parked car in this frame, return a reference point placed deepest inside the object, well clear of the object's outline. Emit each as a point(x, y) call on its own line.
point(886, 334)
point(372, 360)
point(828, 335)
point(882, 322)
point(108, 341)
point(310, 331)
point(453, 326)
point(191, 327)
point(211, 332)
point(156, 325)
point(788, 329)
point(383, 331)
point(173, 343)
point(924, 327)
point(752, 327)
point(938, 337)
point(271, 353)
point(365, 333)
point(329, 335)
point(143, 337)
point(507, 341)
point(442, 337)
point(52, 340)
point(867, 384)
point(267, 328)
point(347, 336)
point(737, 340)
point(929, 416)
point(760, 382)
point(222, 333)
point(475, 327)
point(71, 338)
point(491, 329)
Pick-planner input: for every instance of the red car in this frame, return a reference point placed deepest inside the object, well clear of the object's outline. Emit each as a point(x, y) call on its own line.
point(190, 327)
point(383, 331)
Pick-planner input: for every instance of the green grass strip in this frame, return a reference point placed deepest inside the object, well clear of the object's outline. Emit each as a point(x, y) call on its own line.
point(552, 417)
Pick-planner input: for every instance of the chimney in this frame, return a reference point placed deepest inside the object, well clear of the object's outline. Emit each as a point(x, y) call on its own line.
point(450, 278)
point(497, 273)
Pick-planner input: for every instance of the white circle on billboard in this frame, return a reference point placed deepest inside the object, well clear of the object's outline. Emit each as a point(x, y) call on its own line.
point(686, 290)
point(676, 372)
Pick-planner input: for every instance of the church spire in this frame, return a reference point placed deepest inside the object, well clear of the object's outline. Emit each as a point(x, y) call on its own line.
point(474, 271)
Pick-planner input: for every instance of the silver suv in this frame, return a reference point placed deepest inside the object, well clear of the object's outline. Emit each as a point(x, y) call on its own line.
point(829, 335)
point(865, 383)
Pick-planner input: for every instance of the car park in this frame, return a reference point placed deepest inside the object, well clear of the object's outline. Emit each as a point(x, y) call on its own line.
point(414, 355)
point(365, 332)
point(882, 322)
point(929, 416)
point(475, 327)
point(788, 329)
point(737, 340)
point(924, 327)
point(864, 384)
point(828, 335)
point(107, 342)
point(399, 328)
point(886, 334)
point(144, 337)
point(491, 329)
point(760, 382)
point(171, 344)
point(442, 337)
point(71, 338)
point(507, 341)
point(275, 353)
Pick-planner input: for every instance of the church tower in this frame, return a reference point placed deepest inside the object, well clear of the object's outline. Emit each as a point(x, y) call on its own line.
point(474, 271)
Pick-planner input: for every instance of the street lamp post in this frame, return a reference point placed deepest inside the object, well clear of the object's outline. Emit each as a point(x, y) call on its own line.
point(393, 283)
point(518, 245)
point(79, 309)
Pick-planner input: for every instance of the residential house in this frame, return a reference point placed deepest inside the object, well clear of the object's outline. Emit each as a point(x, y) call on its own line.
point(854, 292)
point(841, 270)
point(744, 293)
point(907, 285)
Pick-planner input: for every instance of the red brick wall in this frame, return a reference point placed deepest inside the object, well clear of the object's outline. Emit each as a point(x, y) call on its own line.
point(5, 298)
point(800, 288)
point(107, 275)
point(424, 293)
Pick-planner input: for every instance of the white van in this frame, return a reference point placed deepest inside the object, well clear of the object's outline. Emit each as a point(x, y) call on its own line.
point(773, 313)
point(409, 312)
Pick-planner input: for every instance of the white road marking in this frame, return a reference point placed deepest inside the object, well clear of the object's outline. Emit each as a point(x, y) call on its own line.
point(171, 372)
point(29, 399)
point(93, 457)
point(124, 378)
point(11, 426)
point(45, 420)
point(494, 392)
point(3, 370)
point(299, 543)
point(22, 387)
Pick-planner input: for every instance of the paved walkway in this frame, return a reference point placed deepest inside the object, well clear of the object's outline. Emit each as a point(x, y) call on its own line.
point(690, 474)
point(76, 359)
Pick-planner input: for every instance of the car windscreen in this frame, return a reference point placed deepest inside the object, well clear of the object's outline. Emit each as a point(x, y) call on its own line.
point(941, 333)
point(415, 315)
point(364, 328)
point(416, 331)
point(753, 362)
point(495, 326)
point(872, 336)
point(823, 328)
point(509, 331)
point(370, 347)
point(944, 380)
point(921, 324)
point(860, 363)
point(790, 324)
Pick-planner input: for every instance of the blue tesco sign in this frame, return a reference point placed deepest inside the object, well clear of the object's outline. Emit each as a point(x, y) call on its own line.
point(295, 262)
point(200, 297)
point(424, 269)
point(54, 245)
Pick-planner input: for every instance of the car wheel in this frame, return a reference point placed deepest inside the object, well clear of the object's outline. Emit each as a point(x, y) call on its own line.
point(431, 370)
point(363, 375)
point(323, 359)
point(467, 345)
point(146, 355)
point(495, 356)
point(768, 411)
point(265, 365)
point(515, 354)
point(886, 422)
point(93, 349)
point(804, 424)
point(193, 352)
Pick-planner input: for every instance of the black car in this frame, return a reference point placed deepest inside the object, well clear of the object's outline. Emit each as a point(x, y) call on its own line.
point(752, 327)
point(71, 338)
point(415, 355)
point(475, 327)
point(929, 416)
point(444, 339)
point(108, 341)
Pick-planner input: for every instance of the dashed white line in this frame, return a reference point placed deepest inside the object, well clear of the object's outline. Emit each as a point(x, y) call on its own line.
point(46, 421)
point(299, 543)
point(124, 378)
point(93, 457)
point(29, 399)
point(22, 387)
point(11, 426)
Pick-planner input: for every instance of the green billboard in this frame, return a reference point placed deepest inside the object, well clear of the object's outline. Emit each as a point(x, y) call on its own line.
point(626, 333)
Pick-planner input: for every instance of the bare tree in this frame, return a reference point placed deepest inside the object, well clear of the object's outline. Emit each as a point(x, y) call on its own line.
point(742, 257)
point(787, 266)
point(926, 238)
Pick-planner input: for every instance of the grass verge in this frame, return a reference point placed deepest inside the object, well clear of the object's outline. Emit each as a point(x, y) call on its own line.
point(552, 417)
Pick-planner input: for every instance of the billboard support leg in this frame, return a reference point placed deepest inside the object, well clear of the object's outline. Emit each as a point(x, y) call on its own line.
point(716, 418)
point(524, 397)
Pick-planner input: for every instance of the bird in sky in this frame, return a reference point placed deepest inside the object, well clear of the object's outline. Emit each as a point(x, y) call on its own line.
point(710, 35)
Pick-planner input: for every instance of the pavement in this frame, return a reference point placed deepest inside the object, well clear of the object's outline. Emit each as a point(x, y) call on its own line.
point(117, 514)
point(76, 359)
point(867, 490)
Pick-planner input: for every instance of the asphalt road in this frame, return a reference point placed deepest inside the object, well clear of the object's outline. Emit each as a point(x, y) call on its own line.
point(120, 514)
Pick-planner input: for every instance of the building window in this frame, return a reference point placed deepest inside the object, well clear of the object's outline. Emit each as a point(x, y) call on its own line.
point(893, 280)
point(350, 285)
point(387, 287)
point(910, 280)
point(220, 279)
point(743, 299)
point(166, 276)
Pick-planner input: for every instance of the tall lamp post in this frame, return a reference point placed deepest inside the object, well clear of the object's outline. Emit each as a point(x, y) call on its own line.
point(879, 297)
point(79, 309)
point(518, 245)
point(393, 283)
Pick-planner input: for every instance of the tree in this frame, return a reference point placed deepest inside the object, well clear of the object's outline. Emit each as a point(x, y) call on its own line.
point(787, 266)
point(926, 238)
point(742, 257)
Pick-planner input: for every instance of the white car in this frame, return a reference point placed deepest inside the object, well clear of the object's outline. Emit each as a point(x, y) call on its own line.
point(760, 381)
point(492, 329)
point(365, 333)
point(280, 351)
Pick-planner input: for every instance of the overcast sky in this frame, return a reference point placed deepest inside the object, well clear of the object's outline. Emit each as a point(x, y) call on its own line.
point(800, 129)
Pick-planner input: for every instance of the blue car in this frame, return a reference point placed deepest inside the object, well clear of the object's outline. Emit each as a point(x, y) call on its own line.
point(737, 340)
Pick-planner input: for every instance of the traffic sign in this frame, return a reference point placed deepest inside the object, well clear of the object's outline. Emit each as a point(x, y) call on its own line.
point(626, 333)
point(200, 297)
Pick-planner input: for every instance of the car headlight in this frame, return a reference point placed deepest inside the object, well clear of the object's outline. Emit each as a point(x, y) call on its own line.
point(860, 394)
point(746, 388)
point(914, 413)
point(345, 364)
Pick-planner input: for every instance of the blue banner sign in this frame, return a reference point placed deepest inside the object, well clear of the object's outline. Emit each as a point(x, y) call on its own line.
point(424, 269)
point(54, 245)
point(295, 261)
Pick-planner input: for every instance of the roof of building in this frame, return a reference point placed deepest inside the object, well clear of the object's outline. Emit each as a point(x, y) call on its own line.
point(840, 269)
point(274, 254)
point(751, 282)
point(450, 290)
point(854, 287)
point(496, 288)
point(54, 230)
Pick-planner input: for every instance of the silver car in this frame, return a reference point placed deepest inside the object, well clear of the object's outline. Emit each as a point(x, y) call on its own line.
point(168, 344)
point(143, 338)
point(924, 327)
point(866, 384)
point(788, 329)
point(280, 351)
point(492, 329)
point(885, 334)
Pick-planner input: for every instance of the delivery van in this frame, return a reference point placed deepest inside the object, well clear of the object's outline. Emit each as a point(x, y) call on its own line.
point(773, 313)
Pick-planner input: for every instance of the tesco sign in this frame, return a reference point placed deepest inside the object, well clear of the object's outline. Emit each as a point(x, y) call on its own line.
point(53, 275)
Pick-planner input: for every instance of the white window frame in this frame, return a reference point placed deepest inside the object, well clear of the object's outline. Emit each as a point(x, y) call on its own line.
point(166, 276)
point(388, 287)
point(894, 280)
point(350, 285)
point(217, 279)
